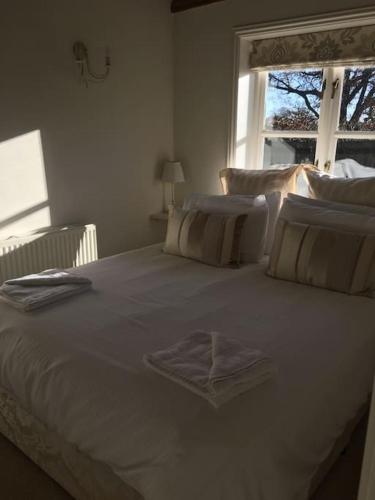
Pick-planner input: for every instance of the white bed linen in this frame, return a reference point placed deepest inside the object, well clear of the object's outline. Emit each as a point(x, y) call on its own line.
point(77, 366)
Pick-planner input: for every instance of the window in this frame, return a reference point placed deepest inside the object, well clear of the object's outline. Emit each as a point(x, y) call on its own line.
point(317, 115)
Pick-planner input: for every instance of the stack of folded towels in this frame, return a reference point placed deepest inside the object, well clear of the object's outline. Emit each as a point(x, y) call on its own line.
point(213, 366)
point(37, 290)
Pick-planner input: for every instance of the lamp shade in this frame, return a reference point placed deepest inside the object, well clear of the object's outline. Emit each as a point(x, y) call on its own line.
point(172, 172)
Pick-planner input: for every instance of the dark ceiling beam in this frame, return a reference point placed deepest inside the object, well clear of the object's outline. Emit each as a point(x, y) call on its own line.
point(179, 5)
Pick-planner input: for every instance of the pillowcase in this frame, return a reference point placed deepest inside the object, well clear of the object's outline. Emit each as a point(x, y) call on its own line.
point(255, 182)
point(332, 205)
point(336, 216)
point(219, 201)
point(324, 257)
point(274, 183)
point(359, 191)
point(255, 225)
point(210, 238)
point(274, 202)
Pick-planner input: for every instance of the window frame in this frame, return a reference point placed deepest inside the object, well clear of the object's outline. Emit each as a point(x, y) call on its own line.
point(255, 100)
point(328, 132)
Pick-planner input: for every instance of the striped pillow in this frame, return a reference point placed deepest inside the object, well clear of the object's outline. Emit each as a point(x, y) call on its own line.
point(210, 238)
point(255, 182)
point(359, 191)
point(324, 257)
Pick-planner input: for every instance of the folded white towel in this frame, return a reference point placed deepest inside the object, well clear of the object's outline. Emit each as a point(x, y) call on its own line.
point(29, 298)
point(50, 277)
point(213, 366)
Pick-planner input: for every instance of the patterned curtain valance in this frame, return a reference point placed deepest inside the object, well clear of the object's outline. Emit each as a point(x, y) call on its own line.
point(336, 47)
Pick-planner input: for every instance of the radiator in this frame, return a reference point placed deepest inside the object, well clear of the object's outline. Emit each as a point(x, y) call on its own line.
point(63, 247)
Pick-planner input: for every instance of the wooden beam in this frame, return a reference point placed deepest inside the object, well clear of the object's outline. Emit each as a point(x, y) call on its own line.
point(179, 5)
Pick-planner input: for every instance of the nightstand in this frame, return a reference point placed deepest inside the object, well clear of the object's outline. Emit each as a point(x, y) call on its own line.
point(160, 216)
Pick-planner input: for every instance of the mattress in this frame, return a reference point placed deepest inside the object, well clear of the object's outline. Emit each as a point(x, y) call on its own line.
point(77, 368)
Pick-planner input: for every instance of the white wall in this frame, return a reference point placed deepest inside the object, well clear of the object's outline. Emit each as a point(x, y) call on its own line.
point(203, 77)
point(101, 147)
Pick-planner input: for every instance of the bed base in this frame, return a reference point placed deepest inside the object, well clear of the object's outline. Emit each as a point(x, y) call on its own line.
point(82, 477)
point(86, 479)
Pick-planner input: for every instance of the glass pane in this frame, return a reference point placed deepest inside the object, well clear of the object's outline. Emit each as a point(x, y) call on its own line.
point(355, 158)
point(358, 99)
point(281, 151)
point(293, 99)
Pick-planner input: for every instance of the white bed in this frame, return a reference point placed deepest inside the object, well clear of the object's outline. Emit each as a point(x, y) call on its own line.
point(77, 368)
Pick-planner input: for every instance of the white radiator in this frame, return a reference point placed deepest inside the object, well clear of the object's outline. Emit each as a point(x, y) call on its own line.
point(63, 247)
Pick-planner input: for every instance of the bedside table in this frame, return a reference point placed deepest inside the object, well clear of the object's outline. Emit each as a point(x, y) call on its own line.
point(160, 216)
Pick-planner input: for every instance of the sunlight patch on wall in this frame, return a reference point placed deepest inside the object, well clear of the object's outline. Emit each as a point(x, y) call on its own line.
point(24, 202)
point(242, 120)
point(242, 106)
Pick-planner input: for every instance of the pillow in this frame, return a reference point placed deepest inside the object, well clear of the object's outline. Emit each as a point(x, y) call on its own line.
point(332, 205)
point(324, 257)
point(274, 202)
point(210, 238)
point(255, 225)
point(335, 217)
point(255, 182)
point(359, 191)
point(218, 201)
point(274, 183)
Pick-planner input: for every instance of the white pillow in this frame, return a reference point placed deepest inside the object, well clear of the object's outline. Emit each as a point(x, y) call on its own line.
point(254, 231)
point(218, 201)
point(333, 205)
point(274, 201)
point(324, 216)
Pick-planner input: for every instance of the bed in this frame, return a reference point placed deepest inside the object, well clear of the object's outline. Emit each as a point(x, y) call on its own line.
point(76, 397)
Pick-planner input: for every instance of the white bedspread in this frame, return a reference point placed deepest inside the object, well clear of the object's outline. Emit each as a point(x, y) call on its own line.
point(77, 366)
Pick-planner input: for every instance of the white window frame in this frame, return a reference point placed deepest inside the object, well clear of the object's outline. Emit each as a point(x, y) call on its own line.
point(328, 132)
point(251, 96)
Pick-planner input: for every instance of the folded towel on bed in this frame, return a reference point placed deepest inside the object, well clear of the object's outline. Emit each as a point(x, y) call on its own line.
point(211, 365)
point(50, 277)
point(29, 298)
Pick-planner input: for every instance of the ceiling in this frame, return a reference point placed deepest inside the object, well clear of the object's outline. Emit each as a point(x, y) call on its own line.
point(179, 5)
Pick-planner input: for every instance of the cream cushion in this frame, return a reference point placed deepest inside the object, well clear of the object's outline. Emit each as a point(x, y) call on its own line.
point(336, 216)
point(273, 183)
point(325, 244)
point(255, 182)
point(323, 257)
point(210, 238)
point(359, 191)
point(255, 226)
point(332, 205)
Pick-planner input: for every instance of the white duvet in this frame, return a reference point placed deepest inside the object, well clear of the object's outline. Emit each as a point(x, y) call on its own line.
point(77, 366)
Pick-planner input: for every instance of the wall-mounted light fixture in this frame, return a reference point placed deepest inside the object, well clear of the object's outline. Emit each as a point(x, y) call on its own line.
point(81, 57)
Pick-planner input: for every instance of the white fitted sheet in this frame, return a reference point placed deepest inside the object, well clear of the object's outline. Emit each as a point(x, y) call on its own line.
point(77, 366)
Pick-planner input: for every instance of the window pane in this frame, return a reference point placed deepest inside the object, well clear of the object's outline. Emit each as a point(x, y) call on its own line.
point(355, 158)
point(358, 99)
point(293, 99)
point(277, 150)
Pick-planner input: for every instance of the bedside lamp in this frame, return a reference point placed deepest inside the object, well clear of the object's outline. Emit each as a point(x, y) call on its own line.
point(172, 174)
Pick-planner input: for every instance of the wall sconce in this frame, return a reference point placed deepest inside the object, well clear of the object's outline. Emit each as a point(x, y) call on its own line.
point(81, 57)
